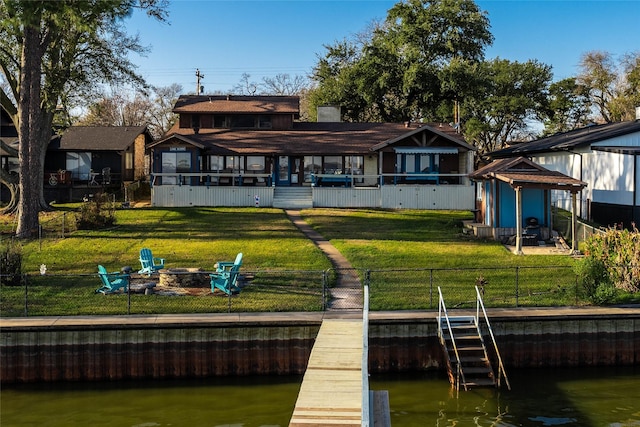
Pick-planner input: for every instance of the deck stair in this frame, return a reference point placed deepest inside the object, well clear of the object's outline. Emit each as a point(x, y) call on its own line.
point(292, 197)
point(467, 359)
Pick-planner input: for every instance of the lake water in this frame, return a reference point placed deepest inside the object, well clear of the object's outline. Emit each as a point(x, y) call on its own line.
point(587, 397)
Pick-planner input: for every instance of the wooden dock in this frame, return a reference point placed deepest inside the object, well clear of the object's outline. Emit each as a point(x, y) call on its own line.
point(332, 387)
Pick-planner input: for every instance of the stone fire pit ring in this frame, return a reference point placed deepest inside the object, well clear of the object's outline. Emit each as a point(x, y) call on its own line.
point(183, 278)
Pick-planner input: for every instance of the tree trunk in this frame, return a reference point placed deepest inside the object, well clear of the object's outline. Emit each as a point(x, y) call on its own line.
point(30, 131)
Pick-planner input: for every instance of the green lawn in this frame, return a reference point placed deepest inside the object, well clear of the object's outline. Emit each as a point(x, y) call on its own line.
point(409, 254)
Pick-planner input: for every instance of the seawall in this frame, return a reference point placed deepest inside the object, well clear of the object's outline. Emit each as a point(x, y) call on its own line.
point(96, 348)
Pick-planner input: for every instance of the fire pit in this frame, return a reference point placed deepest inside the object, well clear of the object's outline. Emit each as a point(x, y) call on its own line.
point(183, 278)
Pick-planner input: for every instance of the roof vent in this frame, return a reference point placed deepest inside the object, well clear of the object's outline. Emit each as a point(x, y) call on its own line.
point(637, 113)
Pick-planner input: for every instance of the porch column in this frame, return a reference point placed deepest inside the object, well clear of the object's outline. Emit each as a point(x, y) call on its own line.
point(574, 223)
point(518, 220)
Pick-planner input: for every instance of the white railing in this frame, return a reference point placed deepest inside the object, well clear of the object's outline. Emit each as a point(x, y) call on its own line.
point(442, 313)
point(366, 419)
point(480, 308)
point(345, 180)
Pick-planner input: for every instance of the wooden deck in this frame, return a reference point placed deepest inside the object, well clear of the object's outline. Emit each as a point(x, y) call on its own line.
point(331, 390)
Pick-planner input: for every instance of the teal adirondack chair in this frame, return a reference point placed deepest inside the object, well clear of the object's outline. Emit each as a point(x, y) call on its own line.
point(111, 282)
point(225, 278)
point(149, 263)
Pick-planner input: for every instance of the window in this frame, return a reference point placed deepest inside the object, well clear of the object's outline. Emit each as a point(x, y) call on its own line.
point(264, 122)
point(255, 164)
point(195, 121)
point(219, 121)
point(235, 164)
point(312, 164)
point(332, 164)
point(216, 163)
point(128, 160)
point(173, 162)
point(243, 121)
point(354, 165)
point(79, 164)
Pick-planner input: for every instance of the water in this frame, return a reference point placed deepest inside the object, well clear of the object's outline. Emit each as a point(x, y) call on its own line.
point(587, 397)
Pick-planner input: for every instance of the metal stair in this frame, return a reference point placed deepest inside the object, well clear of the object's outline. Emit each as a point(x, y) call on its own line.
point(468, 362)
point(293, 197)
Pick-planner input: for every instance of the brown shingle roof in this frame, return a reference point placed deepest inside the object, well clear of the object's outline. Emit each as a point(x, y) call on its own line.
point(303, 139)
point(107, 138)
point(235, 104)
point(522, 172)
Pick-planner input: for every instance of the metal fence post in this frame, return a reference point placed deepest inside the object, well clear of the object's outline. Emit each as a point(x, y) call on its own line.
point(517, 289)
point(26, 295)
point(431, 288)
point(324, 290)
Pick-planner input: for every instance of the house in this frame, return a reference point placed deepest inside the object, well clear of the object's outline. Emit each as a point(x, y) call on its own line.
point(84, 157)
point(606, 157)
point(515, 201)
point(248, 150)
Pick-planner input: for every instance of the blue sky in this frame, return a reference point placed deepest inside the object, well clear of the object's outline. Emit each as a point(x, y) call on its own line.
point(225, 39)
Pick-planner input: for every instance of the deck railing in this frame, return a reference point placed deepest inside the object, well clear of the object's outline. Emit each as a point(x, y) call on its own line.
point(316, 180)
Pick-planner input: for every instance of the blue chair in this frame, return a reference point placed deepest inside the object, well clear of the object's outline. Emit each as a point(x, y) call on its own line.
point(225, 278)
point(149, 263)
point(112, 282)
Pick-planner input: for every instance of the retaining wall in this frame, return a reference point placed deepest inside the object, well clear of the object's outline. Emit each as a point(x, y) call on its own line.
point(136, 347)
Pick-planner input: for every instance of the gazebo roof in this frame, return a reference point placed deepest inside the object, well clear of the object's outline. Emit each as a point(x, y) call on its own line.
point(522, 172)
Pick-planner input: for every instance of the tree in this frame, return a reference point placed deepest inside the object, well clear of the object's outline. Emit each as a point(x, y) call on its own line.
point(568, 108)
point(508, 95)
point(120, 109)
point(614, 88)
point(394, 76)
point(48, 50)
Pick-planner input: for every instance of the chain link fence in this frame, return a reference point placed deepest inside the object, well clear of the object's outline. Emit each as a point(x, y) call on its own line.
point(292, 291)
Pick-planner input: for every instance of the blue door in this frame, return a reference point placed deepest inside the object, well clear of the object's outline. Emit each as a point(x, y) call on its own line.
point(283, 173)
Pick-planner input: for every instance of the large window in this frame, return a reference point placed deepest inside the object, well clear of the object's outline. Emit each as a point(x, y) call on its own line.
point(312, 165)
point(79, 164)
point(332, 165)
point(175, 162)
point(417, 163)
point(243, 121)
point(255, 164)
point(354, 165)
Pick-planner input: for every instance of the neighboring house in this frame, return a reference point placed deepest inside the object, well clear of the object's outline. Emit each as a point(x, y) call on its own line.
point(515, 201)
point(606, 157)
point(96, 156)
point(246, 150)
point(8, 136)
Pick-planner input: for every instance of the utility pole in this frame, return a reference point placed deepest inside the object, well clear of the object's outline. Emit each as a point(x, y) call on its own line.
point(198, 77)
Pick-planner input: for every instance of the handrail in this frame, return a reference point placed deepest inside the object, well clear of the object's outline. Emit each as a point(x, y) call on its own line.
point(480, 304)
point(443, 308)
point(366, 419)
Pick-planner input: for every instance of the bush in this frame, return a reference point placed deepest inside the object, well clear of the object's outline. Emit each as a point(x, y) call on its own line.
point(612, 263)
point(10, 263)
point(96, 213)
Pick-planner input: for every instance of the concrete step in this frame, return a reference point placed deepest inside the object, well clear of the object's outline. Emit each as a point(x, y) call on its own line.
point(293, 197)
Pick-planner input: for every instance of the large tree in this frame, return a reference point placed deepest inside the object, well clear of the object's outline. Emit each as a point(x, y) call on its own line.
point(613, 86)
point(394, 76)
point(119, 108)
point(508, 96)
point(49, 49)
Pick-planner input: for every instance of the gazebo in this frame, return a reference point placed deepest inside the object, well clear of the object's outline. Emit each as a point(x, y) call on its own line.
point(517, 189)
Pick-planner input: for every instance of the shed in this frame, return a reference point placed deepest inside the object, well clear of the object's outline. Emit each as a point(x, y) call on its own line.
point(516, 191)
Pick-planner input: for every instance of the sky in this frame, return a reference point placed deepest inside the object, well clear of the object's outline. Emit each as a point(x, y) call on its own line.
point(224, 39)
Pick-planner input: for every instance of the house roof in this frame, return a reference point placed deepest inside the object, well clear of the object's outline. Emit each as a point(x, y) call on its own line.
point(236, 104)
point(98, 138)
point(305, 138)
point(522, 172)
point(570, 140)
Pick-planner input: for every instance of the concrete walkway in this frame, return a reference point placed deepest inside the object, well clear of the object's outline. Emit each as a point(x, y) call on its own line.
point(347, 294)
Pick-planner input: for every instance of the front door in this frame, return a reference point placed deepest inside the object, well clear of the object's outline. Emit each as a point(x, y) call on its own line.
point(283, 178)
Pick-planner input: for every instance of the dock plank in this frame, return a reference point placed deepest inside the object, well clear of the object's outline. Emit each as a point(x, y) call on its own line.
point(331, 390)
